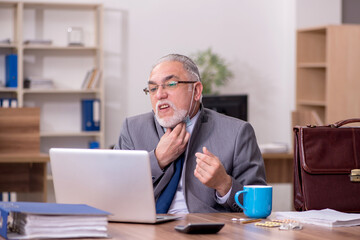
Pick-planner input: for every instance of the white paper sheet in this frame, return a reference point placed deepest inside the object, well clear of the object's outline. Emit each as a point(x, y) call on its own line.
point(325, 217)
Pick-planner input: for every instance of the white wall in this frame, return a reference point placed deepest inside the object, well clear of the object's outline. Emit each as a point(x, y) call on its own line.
point(312, 13)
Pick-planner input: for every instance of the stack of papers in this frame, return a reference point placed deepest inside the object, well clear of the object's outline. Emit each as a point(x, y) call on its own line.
point(326, 217)
point(5, 41)
point(50, 220)
point(38, 83)
point(38, 41)
point(274, 148)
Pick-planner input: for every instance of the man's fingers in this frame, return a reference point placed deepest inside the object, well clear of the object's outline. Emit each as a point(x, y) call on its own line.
point(186, 138)
point(207, 152)
point(177, 129)
point(168, 131)
point(200, 173)
point(203, 165)
point(203, 158)
point(207, 156)
point(210, 172)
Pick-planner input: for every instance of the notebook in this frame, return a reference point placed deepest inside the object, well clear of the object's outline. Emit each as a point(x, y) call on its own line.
point(117, 181)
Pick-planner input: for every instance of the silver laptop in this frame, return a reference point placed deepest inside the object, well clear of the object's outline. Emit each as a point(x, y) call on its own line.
point(117, 181)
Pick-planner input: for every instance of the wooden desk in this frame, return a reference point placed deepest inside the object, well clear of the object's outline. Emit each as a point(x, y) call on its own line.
point(231, 230)
point(24, 173)
point(279, 167)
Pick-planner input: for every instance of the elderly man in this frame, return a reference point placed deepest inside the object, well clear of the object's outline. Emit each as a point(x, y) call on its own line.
point(199, 158)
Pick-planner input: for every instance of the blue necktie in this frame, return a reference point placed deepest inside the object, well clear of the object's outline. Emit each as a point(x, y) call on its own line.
point(164, 201)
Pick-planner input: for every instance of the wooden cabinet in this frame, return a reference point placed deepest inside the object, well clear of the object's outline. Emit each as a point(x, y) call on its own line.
point(22, 168)
point(328, 72)
point(279, 167)
point(65, 65)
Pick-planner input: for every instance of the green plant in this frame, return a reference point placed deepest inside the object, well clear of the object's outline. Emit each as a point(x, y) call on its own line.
point(213, 70)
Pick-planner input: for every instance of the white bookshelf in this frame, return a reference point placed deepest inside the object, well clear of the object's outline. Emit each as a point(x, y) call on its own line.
point(60, 121)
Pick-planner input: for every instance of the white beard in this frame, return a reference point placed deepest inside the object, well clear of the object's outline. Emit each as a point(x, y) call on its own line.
point(170, 122)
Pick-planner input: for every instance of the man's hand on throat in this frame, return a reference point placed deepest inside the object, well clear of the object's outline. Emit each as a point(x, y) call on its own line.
point(171, 145)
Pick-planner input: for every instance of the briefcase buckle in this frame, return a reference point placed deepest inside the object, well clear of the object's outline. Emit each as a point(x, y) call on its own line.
point(355, 175)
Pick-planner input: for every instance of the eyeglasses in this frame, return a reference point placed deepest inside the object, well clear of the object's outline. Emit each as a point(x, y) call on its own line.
point(169, 85)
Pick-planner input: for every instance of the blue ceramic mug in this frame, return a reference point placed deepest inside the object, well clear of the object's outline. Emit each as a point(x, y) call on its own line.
point(257, 200)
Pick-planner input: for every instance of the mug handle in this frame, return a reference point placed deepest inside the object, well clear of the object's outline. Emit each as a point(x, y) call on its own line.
point(237, 196)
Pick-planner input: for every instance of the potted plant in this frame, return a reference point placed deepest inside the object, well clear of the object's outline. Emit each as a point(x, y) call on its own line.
point(214, 73)
point(213, 70)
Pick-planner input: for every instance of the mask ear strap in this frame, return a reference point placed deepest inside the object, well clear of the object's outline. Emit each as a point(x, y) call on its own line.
point(187, 118)
point(192, 99)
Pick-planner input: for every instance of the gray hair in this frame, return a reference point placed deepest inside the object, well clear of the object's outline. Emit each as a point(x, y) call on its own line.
point(188, 64)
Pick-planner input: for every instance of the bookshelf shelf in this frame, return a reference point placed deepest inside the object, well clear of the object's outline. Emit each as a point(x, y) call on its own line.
point(328, 78)
point(10, 46)
point(312, 65)
point(59, 5)
point(70, 48)
point(8, 90)
point(60, 91)
point(70, 134)
point(65, 65)
point(8, 4)
point(312, 103)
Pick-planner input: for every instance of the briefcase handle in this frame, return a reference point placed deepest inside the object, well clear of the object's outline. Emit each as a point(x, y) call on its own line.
point(343, 122)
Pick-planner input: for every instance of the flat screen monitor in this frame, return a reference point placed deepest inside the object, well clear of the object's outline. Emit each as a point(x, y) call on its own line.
point(231, 105)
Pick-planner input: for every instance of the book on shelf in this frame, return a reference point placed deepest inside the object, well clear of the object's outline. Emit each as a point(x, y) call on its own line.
point(38, 83)
point(96, 80)
point(76, 44)
point(91, 80)
point(8, 102)
point(90, 114)
point(8, 196)
point(28, 220)
point(11, 66)
point(94, 145)
point(38, 41)
point(86, 79)
point(5, 41)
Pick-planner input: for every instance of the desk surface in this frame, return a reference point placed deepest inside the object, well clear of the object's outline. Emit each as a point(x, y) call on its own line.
point(231, 230)
point(24, 158)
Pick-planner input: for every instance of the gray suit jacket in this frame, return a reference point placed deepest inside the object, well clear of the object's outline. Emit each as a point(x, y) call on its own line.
point(232, 140)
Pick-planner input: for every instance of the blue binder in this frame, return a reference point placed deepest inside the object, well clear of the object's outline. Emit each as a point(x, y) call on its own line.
point(94, 145)
point(50, 209)
point(11, 67)
point(90, 114)
point(8, 102)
